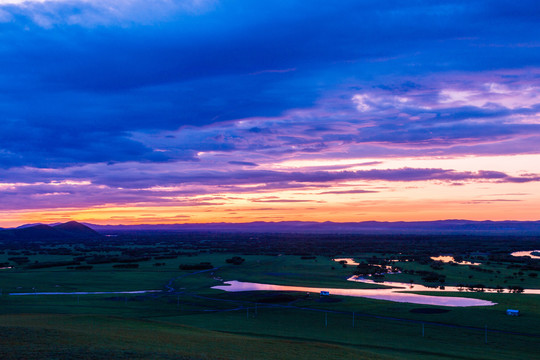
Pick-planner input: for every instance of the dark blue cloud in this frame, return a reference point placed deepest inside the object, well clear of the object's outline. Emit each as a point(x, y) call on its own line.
point(133, 179)
point(73, 94)
point(242, 163)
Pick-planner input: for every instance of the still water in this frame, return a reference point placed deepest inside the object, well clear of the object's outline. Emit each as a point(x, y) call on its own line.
point(447, 259)
point(417, 287)
point(86, 292)
point(395, 291)
point(526, 253)
point(402, 294)
point(348, 261)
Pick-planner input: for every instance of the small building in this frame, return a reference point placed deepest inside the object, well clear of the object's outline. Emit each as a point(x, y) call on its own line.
point(325, 293)
point(512, 312)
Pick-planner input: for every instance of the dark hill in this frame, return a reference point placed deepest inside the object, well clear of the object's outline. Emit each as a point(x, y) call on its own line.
point(76, 229)
point(37, 232)
point(367, 227)
point(28, 225)
point(70, 230)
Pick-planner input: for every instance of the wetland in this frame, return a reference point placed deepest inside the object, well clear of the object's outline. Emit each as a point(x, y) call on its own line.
point(383, 291)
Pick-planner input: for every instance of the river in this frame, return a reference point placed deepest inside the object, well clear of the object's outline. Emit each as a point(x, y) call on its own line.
point(391, 294)
point(86, 292)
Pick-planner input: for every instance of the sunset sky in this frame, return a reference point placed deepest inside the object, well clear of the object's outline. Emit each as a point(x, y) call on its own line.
point(190, 111)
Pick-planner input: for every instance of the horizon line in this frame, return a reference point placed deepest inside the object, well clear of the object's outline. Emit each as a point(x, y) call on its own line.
point(281, 222)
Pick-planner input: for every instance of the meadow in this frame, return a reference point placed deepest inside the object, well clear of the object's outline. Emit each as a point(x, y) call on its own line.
point(187, 319)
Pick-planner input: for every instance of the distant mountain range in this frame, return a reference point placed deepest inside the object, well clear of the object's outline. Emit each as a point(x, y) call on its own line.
point(75, 230)
point(69, 230)
point(423, 227)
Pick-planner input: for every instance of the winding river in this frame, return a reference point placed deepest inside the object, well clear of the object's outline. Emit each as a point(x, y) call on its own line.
point(398, 292)
point(86, 292)
point(390, 294)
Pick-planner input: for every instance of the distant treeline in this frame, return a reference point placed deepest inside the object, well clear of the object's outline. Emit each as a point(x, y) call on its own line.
point(50, 264)
point(126, 266)
point(142, 247)
point(199, 266)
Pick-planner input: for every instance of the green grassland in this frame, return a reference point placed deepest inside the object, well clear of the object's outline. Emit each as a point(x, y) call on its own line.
point(189, 320)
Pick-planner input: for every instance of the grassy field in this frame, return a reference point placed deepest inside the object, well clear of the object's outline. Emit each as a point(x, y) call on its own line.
point(197, 322)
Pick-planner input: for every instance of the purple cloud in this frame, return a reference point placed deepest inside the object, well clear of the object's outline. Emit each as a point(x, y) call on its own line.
point(242, 163)
point(224, 98)
point(339, 192)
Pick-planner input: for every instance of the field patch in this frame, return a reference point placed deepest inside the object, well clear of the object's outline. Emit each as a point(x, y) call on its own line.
point(429, 311)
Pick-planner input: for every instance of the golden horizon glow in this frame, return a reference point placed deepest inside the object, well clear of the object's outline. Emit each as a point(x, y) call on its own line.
point(390, 201)
point(338, 201)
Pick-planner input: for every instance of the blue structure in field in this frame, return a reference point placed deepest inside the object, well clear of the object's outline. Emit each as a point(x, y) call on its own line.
point(512, 312)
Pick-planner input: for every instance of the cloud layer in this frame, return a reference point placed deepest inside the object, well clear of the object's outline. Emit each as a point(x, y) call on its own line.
point(198, 94)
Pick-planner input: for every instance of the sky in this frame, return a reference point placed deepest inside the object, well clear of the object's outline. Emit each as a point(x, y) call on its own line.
point(194, 111)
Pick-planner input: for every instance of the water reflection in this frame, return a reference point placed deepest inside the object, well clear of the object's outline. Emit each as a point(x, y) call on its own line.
point(417, 287)
point(348, 261)
point(447, 259)
point(527, 253)
point(86, 292)
point(390, 294)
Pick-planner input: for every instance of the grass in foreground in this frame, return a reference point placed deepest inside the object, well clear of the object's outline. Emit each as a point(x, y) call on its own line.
point(97, 337)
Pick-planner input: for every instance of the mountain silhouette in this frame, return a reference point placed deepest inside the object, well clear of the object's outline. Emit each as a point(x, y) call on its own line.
point(69, 230)
point(77, 229)
point(366, 227)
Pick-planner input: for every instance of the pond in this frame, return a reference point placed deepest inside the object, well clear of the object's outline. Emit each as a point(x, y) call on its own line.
point(86, 292)
point(447, 259)
point(527, 253)
point(348, 261)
